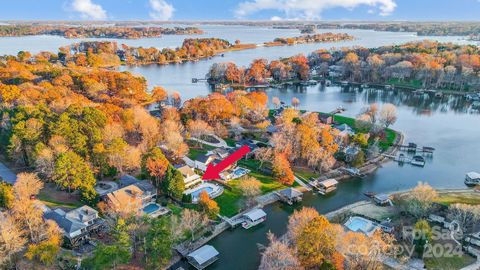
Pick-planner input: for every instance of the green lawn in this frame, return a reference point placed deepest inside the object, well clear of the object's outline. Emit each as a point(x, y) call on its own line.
point(390, 135)
point(194, 153)
point(230, 142)
point(460, 197)
point(410, 84)
point(447, 263)
point(53, 203)
point(230, 201)
point(305, 173)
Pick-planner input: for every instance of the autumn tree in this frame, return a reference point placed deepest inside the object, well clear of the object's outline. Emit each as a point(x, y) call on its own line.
point(295, 102)
point(46, 250)
point(155, 165)
point(249, 187)
point(420, 199)
point(12, 240)
point(6, 195)
point(298, 220)
point(207, 205)
point(281, 169)
point(316, 243)
point(159, 95)
point(263, 154)
point(26, 212)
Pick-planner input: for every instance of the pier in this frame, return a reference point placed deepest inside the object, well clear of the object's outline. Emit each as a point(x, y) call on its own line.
point(196, 80)
point(414, 148)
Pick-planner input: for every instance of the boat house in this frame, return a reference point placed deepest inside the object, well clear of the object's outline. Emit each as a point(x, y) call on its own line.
point(290, 195)
point(203, 257)
point(382, 199)
point(253, 218)
point(472, 179)
point(326, 186)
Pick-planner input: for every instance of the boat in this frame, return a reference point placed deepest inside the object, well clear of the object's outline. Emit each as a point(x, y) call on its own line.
point(418, 161)
point(369, 194)
point(388, 87)
point(472, 179)
point(328, 83)
point(344, 83)
point(438, 94)
point(365, 85)
point(418, 92)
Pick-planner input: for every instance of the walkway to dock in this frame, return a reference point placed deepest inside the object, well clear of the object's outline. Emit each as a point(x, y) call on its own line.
point(303, 184)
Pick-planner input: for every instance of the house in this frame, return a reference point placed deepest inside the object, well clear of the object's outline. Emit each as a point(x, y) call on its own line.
point(202, 161)
point(190, 178)
point(138, 197)
point(77, 225)
point(219, 153)
point(203, 257)
point(351, 153)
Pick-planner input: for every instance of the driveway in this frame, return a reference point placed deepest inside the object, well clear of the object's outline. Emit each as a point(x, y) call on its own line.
point(7, 175)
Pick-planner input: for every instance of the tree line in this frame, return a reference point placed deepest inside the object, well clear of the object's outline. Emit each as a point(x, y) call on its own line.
point(94, 31)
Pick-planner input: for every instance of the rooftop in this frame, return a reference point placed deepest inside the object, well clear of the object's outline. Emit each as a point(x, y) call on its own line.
point(255, 214)
point(203, 254)
point(290, 193)
point(328, 183)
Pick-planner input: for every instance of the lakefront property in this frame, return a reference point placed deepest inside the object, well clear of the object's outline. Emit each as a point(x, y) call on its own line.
point(261, 136)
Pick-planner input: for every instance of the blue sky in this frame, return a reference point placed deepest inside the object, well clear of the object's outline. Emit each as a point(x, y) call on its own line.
point(422, 10)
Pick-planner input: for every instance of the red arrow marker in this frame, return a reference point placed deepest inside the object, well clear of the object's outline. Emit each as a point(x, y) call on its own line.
point(213, 172)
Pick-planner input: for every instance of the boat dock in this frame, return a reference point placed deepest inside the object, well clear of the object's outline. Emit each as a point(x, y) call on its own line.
point(196, 80)
point(414, 148)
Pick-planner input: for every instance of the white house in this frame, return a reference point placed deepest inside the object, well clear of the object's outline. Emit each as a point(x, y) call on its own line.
point(190, 178)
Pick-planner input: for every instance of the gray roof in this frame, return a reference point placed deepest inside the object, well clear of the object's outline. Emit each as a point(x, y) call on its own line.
point(67, 225)
point(127, 180)
point(203, 254)
point(290, 193)
point(202, 158)
point(382, 197)
point(255, 214)
point(146, 186)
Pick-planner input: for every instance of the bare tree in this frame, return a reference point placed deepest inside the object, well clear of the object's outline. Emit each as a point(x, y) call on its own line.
point(295, 102)
point(278, 256)
point(388, 115)
point(420, 199)
point(264, 154)
point(192, 221)
point(276, 102)
point(12, 240)
point(250, 188)
point(298, 220)
point(465, 214)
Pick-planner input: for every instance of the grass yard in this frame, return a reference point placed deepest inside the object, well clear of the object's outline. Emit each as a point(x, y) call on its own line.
point(55, 198)
point(459, 197)
point(447, 263)
point(230, 201)
point(390, 135)
point(409, 84)
point(304, 173)
point(230, 142)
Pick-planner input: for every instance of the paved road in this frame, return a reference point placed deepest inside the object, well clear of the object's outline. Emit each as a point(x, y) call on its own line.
point(7, 175)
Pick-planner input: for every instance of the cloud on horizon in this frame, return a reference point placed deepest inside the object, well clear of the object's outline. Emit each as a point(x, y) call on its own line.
point(161, 10)
point(310, 9)
point(88, 10)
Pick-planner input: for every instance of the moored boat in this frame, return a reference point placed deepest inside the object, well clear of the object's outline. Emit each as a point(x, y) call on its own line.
point(418, 161)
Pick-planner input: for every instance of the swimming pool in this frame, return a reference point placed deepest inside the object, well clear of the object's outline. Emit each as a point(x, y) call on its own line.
point(196, 193)
point(151, 208)
point(359, 224)
point(239, 172)
point(213, 191)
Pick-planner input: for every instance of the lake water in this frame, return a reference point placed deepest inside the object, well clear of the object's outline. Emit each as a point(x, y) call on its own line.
point(448, 124)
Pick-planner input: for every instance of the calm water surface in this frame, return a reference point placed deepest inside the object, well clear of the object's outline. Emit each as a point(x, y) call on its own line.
point(448, 124)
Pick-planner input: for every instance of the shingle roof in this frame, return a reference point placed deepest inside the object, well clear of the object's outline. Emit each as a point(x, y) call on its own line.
point(68, 226)
point(290, 193)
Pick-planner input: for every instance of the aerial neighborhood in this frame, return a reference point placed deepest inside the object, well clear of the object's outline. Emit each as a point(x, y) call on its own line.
point(274, 144)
